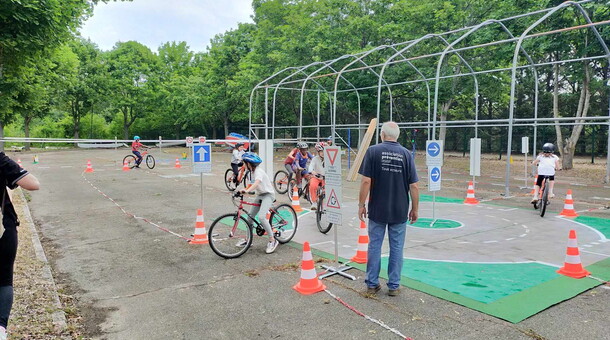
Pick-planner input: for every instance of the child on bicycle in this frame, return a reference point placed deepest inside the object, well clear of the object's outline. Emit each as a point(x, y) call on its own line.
point(236, 162)
point(300, 163)
point(135, 149)
point(265, 195)
point(547, 163)
point(290, 159)
point(316, 168)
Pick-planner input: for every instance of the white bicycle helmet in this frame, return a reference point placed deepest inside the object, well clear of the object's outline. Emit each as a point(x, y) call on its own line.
point(302, 145)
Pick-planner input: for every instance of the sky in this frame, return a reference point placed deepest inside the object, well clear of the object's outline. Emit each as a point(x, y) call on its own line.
point(154, 22)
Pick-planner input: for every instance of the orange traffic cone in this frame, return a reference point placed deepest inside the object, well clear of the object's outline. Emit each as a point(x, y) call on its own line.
point(125, 166)
point(568, 206)
point(89, 167)
point(470, 199)
point(296, 204)
point(572, 266)
point(309, 283)
point(177, 166)
point(363, 245)
point(534, 186)
point(200, 236)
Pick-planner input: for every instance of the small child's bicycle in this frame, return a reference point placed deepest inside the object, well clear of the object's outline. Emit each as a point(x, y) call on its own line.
point(131, 160)
point(543, 200)
point(230, 235)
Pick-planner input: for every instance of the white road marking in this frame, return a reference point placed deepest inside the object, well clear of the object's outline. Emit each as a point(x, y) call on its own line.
point(510, 239)
point(578, 184)
point(602, 237)
point(489, 216)
point(505, 219)
point(592, 252)
point(490, 242)
point(319, 243)
point(600, 198)
point(522, 235)
point(464, 242)
point(510, 209)
point(595, 243)
point(44, 167)
point(587, 245)
point(66, 166)
point(498, 184)
point(418, 241)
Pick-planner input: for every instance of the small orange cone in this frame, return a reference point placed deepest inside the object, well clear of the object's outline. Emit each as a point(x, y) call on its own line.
point(363, 245)
point(470, 199)
point(296, 204)
point(89, 167)
point(309, 283)
point(200, 236)
point(125, 166)
point(568, 206)
point(177, 166)
point(534, 186)
point(572, 266)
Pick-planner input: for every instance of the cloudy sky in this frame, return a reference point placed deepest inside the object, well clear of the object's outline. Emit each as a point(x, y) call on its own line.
point(154, 22)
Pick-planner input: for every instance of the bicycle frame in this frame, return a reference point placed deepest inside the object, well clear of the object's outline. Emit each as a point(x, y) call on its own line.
point(241, 210)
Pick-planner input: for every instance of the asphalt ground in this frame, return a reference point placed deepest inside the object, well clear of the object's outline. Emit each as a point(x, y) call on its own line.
point(138, 281)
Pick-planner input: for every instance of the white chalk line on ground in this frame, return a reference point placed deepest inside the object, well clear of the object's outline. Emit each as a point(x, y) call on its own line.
point(130, 214)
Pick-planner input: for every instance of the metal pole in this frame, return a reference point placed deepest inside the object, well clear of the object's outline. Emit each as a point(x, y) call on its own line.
point(201, 181)
point(349, 143)
point(318, 115)
point(160, 144)
point(607, 180)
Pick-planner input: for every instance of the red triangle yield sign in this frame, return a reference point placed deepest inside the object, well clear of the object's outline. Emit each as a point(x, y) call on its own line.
point(333, 200)
point(332, 155)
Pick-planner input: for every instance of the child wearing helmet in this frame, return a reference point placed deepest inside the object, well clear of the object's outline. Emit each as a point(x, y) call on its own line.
point(547, 163)
point(316, 168)
point(300, 163)
point(135, 149)
point(265, 195)
point(290, 159)
point(236, 162)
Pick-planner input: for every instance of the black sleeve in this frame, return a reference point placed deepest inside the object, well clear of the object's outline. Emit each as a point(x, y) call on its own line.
point(11, 171)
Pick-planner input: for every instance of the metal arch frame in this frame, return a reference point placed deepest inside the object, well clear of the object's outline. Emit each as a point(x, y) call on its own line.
point(514, 74)
point(340, 75)
point(413, 43)
point(329, 97)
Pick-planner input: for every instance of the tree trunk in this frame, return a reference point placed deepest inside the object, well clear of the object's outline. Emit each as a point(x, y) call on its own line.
point(443, 128)
point(1, 135)
point(569, 145)
point(26, 127)
point(226, 125)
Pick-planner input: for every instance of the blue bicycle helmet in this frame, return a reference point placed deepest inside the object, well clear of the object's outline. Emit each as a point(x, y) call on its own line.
point(252, 158)
point(136, 137)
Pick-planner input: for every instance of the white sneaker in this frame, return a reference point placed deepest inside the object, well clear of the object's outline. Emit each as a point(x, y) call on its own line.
point(552, 196)
point(271, 246)
point(3, 333)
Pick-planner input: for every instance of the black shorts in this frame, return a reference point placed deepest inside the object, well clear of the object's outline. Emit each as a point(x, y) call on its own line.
point(541, 178)
point(8, 251)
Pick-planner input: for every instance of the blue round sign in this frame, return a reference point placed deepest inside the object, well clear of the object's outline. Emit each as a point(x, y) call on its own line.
point(434, 149)
point(435, 174)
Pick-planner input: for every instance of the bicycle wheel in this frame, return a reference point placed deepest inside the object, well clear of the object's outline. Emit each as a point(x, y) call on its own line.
point(229, 180)
point(280, 181)
point(323, 226)
point(291, 184)
point(244, 180)
point(229, 236)
point(284, 223)
point(150, 162)
point(131, 161)
point(545, 198)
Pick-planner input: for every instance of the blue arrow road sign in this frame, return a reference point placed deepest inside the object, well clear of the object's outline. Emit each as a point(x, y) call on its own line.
point(201, 153)
point(435, 174)
point(434, 149)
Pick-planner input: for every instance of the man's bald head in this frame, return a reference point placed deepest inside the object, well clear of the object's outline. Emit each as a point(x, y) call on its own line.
point(390, 132)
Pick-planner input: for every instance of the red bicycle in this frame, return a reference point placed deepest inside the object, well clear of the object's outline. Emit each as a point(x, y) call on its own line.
point(230, 235)
point(131, 160)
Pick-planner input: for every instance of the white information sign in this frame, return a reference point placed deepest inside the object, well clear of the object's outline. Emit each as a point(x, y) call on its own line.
point(434, 153)
point(525, 144)
point(475, 156)
point(202, 158)
point(434, 178)
point(334, 192)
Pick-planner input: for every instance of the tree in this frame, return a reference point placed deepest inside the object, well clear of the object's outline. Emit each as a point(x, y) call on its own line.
point(132, 71)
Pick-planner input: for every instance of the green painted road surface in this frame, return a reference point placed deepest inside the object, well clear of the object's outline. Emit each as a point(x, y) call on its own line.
point(439, 224)
point(600, 224)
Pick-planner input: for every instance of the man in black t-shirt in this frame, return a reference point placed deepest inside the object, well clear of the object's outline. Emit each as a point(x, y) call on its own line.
point(11, 176)
point(388, 177)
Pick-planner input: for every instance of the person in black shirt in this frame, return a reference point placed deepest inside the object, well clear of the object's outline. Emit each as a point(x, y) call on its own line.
point(389, 177)
point(11, 176)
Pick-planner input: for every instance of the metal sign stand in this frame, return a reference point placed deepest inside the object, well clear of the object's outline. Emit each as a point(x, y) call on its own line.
point(333, 187)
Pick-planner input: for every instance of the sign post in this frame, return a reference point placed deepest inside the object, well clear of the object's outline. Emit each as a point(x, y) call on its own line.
point(334, 205)
point(434, 161)
point(475, 158)
point(525, 145)
point(202, 160)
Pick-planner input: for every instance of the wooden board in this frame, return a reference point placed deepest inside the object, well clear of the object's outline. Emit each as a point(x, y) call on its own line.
point(366, 142)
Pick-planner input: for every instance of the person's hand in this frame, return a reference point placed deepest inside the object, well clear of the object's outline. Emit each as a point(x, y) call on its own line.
point(413, 216)
point(362, 213)
point(242, 191)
